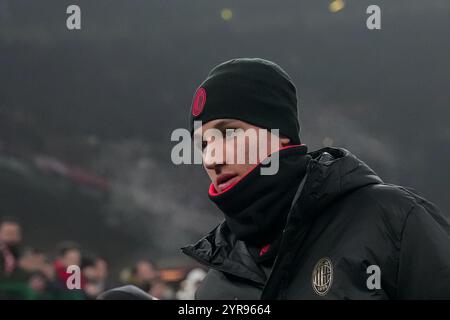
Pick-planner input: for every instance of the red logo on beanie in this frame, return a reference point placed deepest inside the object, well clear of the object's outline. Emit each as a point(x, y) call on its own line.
point(199, 102)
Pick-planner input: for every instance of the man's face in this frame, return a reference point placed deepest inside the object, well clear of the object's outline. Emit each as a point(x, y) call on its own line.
point(145, 271)
point(72, 257)
point(102, 268)
point(10, 233)
point(32, 261)
point(229, 169)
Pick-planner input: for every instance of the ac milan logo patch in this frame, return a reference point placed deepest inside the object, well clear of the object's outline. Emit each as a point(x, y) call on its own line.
point(322, 276)
point(199, 102)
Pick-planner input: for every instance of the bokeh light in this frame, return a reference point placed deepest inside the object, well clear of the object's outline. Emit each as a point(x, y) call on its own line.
point(336, 6)
point(226, 14)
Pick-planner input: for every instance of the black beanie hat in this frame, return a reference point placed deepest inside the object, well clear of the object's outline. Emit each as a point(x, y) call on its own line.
point(253, 90)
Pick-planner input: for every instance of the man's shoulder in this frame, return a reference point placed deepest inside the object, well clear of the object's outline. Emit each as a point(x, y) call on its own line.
point(387, 194)
point(388, 202)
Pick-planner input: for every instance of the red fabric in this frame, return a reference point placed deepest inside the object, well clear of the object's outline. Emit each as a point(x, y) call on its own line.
point(264, 250)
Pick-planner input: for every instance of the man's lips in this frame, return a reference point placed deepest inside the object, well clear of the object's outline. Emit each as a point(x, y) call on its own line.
point(225, 180)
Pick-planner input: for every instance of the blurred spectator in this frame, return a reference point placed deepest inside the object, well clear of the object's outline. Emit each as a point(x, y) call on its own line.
point(95, 271)
point(102, 268)
point(33, 260)
point(69, 253)
point(40, 287)
point(41, 274)
point(142, 275)
point(10, 241)
point(27, 273)
point(13, 281)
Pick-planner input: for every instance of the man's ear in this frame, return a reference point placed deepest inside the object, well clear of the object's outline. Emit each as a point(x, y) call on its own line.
point(284, 141)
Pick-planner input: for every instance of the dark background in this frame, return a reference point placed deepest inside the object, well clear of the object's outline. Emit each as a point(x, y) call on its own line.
point(86, 115)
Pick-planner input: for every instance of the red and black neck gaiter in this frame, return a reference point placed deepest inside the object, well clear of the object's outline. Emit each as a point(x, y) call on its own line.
point(256, 207)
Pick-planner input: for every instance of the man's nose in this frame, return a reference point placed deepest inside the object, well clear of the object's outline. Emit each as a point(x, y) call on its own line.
point(214, 155)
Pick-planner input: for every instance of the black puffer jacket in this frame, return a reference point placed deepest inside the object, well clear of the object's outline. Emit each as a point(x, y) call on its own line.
point(346, 230)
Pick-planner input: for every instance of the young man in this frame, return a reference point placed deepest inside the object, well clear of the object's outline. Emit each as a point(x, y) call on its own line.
point(325, 226)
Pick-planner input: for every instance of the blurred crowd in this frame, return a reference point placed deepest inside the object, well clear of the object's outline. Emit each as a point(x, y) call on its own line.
point(28, 273)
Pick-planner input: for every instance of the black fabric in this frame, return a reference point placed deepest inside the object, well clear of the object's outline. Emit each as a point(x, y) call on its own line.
point(256, 207)
point(253, 90)
point(347, 214)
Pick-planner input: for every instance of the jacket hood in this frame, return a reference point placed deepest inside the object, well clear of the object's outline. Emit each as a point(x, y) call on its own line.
point(331, 173)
